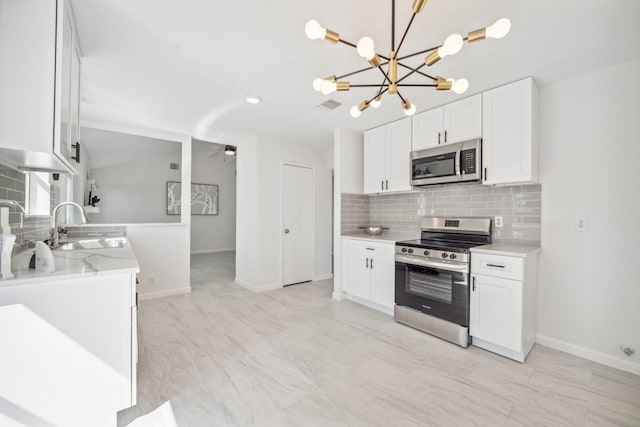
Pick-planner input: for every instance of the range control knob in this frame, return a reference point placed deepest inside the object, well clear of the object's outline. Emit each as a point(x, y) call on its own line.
point(404, 249)
point(452, 256)
point(426, 253)
point(410, 251)
point(445, 255)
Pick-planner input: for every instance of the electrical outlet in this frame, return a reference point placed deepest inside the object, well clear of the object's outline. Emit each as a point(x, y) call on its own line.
point(151, 280)
point(498, 222)
point(582, 223)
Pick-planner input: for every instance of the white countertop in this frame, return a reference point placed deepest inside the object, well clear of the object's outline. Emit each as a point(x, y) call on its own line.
point(75, 264)
point(508, 248)
point(389, 237)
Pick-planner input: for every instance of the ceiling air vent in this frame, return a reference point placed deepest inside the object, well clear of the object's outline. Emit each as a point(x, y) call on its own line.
point(329, 104)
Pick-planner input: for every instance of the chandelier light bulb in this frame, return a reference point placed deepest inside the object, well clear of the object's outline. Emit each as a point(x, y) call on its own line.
point(376, 102)
point(317, 84)
point(328, 87)
point(313, 30)
point(451, 45)
point(498, 30)
point(355, 112)
point(366, 48)
point(459, 86)
point(409, 109)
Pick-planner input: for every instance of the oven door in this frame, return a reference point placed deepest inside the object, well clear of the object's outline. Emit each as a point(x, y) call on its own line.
point(435, 288)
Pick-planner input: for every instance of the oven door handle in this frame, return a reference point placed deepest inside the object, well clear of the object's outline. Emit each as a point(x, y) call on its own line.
point(459, 268)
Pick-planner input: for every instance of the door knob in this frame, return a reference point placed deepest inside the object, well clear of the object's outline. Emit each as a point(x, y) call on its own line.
point(286, 231)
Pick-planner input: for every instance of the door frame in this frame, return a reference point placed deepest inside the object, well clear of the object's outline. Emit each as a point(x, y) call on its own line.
point(284, 164)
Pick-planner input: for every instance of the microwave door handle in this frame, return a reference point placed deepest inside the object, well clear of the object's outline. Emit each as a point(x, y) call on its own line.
point(457, 162)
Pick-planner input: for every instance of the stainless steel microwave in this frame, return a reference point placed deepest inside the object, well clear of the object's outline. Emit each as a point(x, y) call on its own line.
point(456, 162)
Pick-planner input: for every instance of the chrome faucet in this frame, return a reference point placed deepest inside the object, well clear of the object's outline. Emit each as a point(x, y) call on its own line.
point(18, 206)
point(53, 241)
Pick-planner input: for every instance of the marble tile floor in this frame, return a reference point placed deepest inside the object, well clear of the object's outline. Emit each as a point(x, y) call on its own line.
point(223, 356)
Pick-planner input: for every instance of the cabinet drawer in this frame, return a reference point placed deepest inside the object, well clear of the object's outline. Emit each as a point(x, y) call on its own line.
point(497, 266)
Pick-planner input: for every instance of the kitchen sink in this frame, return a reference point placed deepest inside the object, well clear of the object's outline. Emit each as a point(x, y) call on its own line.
point(106, 243)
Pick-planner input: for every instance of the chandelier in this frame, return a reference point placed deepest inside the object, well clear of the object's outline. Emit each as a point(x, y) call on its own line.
point(388, 66)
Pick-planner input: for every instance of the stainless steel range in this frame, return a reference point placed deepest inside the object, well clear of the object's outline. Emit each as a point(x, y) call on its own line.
point(432, 276)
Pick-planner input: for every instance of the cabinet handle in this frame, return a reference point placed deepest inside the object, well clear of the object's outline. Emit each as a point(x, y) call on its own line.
point(387, 181)
point(371, 264)
point(485, 174)
point(382, 185)
point(473, 286)
point(77, 148)
point(367, 263)
point(445, 136)
point(371, 249)
point(438, 138)
point(495, 265)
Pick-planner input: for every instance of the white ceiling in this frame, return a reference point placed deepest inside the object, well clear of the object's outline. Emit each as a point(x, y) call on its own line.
point(186, 65)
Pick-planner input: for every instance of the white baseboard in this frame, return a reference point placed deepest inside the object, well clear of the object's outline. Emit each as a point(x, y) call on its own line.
point(322, 277)
point(338, 295)
point(371, 304)
point(166, 293)
point(585, 353)
point(212, 251)
point(257, 289)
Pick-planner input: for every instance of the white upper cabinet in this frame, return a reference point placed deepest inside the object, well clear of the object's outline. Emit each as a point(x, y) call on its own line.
point(398, 155)
point(428, 129)
point(39, 73)
point(455, 122)
point(463, 119)
point(510, 149)
point(387, 158)
point(375, 159)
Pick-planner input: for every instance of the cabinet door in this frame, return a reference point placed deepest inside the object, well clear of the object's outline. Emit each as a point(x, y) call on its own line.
point(496, 311)
point(508, 152)
point(383, 277)
point(63, 137)
point(463, 119)
point(428, 129)
point(375, 161)
point(356, 269)
point(399, 155)
point(74, 101)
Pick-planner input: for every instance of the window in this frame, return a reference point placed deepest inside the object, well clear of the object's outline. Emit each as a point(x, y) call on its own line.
point(38, 193)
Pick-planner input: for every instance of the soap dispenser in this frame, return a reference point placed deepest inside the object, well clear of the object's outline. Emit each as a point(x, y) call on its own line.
point(7, 240)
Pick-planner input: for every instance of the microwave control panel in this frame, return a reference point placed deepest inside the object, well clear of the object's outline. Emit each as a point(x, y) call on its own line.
point(468, 161)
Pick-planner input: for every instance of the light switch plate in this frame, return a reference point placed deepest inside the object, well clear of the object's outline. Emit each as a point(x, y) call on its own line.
point(498, 222)
point(582, 223)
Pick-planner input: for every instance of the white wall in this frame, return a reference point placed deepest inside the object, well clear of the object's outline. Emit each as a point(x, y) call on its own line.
point(259, 258)
point(247, 213)
point(136, 192)
point(589, 282)
point(348, 161)
point(214, 233)
point(162, 250)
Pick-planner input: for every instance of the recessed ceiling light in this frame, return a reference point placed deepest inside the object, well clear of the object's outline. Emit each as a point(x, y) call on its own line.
point(252, 99)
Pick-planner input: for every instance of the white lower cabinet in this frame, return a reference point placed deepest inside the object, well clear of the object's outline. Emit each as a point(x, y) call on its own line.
point(503, 302)
point(496, 313)
point(81, 336)
point(369, 273)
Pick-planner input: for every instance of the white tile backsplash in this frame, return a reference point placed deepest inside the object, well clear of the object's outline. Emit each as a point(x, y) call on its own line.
point(518, 205)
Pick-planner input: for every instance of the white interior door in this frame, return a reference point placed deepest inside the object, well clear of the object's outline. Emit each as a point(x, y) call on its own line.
point(298, 224)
